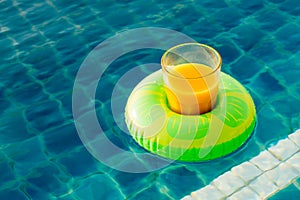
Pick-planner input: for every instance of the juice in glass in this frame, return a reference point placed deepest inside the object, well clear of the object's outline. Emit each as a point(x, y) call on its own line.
point(191, 87)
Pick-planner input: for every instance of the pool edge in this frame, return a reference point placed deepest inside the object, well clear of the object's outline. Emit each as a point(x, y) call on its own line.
point(260, 177)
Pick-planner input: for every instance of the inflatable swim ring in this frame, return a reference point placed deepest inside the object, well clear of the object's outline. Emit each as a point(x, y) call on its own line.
point(190, 138)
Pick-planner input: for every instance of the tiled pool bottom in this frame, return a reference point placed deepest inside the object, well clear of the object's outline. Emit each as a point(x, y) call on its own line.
point(259, 178)
point(42, 45)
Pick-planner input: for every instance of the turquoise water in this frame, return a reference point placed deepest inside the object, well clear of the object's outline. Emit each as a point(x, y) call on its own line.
point(43, 44)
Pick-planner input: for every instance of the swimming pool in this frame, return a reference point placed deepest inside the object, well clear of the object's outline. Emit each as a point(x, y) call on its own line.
point(43, 44)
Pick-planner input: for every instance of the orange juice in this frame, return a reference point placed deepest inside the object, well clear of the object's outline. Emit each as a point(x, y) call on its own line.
point(191, 88)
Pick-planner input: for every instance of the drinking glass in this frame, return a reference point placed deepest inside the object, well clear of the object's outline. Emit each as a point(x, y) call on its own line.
point(191, 74)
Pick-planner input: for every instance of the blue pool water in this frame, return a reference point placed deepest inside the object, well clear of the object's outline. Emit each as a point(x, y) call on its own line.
point(43, 44)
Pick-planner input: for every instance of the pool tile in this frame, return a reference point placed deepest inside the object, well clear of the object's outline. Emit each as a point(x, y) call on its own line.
point(295, 137)
point(66, 47)
point(19, 25)
point(40, 61)
point(38, 14)
point(214, 4)
point(93, 32)
point(241, 72)
point(148, 193)
point(263, 186)
point(31, 93)
point(284, 149)
point(258, 100)
point(187, 198)
point(247, 171)
point(228, 17)
point(288, 77)
point(276, 1)
point(52, 29)
point(282, 175)
point(294, 161)
point(79, 162)
point(98, 185)
point(295, 122)
point(26, 155)
point(7, 49)
point(187, 13)
point(10, 81)
point(206, 33)
point(105, 84)
point(12, 194)
point(4, 104)
point(58, 84)
point(7, 6)
point(48, 178)
point(36, 192)
point(61, 139)
point(6, 167)
point(246, 41)
point(123, 178)
point(228, 50)
point(114, 18)
point(287, 106)
point(13, 124)
point(187, 178)
point(29, 39)
point(228, 183)
point(265, 161)
point(249, 6)
point(291, 6)
point(268, 84)
point(267, 117)
point(79, 15)
point(44, 115)
point(266, 50)
point(271, 19)
point(208, 192)
point(244, 193)
point(291, 30)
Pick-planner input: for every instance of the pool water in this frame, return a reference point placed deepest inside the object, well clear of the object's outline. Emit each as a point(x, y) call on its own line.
point(43, 44)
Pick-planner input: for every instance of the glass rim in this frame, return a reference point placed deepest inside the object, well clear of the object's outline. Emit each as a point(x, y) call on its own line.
point(217, 54)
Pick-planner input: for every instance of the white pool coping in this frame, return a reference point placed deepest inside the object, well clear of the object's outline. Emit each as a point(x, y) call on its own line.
point(260, 177)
